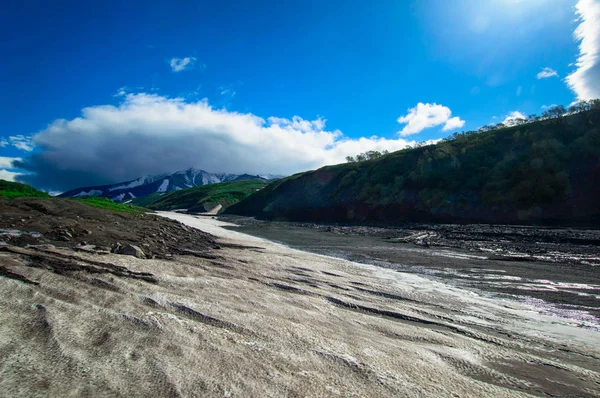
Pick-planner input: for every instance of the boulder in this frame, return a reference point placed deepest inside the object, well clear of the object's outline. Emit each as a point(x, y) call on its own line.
point(131, 250)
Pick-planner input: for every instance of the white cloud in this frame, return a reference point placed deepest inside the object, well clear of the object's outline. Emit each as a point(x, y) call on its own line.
point(3, 142)
point(151, 134)
point(453, 123)
point(546, 73)
point(548, 106)
point(585, 81)
point(424, 116)
point(512, 117)
point(22, 142)
point(179, 64)
point(6, 162)
point(8, 175)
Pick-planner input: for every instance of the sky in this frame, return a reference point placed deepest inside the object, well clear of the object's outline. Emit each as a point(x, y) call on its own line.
point(104, 92)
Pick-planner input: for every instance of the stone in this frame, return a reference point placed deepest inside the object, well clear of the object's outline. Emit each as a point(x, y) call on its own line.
point(131, 250)
point(65, 236)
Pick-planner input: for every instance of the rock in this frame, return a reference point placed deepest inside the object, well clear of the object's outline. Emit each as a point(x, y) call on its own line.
point(65, 236)
point(131, 250)
point(86, 248)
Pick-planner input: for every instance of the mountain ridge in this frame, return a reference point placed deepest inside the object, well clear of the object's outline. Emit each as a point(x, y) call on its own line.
point(162, 183)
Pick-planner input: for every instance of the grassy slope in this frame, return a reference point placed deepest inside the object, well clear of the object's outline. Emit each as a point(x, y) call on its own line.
point(534, 172)
point(107, 204)
point(145, 201)
point(203, 198)
point(11, 190)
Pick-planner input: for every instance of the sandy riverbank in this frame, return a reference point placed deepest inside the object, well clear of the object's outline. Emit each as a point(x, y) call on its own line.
point(261, 319)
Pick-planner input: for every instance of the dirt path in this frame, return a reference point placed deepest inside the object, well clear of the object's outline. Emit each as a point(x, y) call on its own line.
point(214, 211)
point(258, 319)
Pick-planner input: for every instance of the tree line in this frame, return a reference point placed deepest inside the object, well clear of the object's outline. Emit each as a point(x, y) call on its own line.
point(555, 112)
point(369, 155)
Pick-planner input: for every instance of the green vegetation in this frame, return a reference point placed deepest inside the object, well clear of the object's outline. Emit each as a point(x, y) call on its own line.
point(202, 198)
point(10, 190)
point(544, 169)
point(147, 200)
point(369, 155)
point(107, 204)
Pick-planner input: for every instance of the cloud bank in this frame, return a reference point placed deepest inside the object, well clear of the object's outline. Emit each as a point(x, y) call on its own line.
point(424, 116)
point(152, 134)
point(585, 81)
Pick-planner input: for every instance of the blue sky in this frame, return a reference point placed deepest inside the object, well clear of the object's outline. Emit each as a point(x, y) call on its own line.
point(208, 74)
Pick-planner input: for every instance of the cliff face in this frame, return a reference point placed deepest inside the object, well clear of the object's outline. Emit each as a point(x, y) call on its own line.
point(545, 172)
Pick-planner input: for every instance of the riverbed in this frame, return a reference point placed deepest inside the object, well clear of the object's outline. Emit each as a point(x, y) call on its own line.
point(555, 270)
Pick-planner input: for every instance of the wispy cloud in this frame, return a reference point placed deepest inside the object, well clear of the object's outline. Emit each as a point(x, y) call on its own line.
point(171, 133)
point(122, 91)
point(22, 142)
point(548, 106)
point(547, 73)
point(424, 116)
point(180, 64)
point(585, 81)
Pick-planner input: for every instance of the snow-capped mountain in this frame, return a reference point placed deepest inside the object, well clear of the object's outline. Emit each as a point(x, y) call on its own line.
point(146, 185)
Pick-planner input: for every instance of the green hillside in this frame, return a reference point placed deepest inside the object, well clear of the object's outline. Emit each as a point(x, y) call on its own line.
point(107, 204)
point(146, 200)
point(538, 171)
point(11, 190)
point(202, 198)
